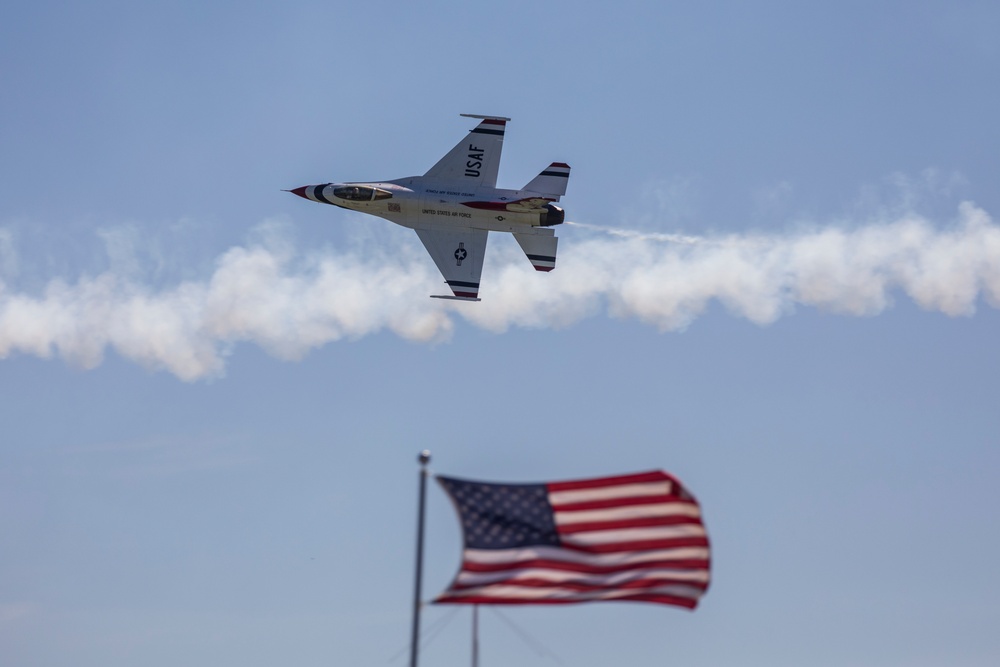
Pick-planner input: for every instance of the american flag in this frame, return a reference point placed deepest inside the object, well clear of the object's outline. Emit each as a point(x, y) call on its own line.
point(629, 537)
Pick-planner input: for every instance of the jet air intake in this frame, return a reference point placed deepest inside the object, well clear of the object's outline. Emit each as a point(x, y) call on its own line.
point(552, 216)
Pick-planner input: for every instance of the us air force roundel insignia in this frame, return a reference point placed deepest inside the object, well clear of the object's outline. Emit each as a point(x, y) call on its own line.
point(460, 254)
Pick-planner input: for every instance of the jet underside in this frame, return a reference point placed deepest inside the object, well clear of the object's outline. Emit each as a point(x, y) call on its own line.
point(455, 205)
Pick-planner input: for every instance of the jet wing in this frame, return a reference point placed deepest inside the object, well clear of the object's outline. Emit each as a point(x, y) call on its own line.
point(475, 160)
point(458, 254)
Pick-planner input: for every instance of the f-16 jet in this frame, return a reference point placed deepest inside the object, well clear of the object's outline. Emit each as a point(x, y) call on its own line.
point(456, 204)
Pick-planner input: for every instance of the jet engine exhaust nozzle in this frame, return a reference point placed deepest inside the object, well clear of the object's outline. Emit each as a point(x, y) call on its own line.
point(552, 215)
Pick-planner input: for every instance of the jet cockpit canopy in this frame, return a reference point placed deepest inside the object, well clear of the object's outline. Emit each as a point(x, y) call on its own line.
point(360, 193)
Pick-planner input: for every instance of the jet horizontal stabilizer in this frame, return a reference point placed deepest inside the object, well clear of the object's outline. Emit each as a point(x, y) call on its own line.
point(540, 249)
point(552, 180)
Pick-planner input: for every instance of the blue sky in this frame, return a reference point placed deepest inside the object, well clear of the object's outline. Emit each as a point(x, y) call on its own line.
point(213, 393)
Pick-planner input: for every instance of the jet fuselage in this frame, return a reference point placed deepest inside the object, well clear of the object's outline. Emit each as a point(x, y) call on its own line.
point(411, 203)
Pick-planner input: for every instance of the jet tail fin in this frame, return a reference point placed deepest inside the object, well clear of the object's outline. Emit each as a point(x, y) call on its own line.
point(540, 248)
point(552, 181)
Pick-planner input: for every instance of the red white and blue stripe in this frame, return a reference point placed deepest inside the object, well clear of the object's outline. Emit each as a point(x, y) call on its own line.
point(491, 126)
point(632, 537)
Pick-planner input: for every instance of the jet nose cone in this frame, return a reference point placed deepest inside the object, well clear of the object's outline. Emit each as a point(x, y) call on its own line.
point(299, 191)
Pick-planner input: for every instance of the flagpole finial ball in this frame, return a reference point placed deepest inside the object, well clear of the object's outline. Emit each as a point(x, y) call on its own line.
point(425, 457)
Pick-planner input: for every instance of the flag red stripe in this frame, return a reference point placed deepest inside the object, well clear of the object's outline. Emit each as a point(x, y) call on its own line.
point(621, 502)
point(549, 564)
point(687, 603)
point(640, 522)
point(585, 587)
point(644, 545)
point(637, 478)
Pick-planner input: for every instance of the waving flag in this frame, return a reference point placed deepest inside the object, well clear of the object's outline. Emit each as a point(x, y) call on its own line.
point(631, 537)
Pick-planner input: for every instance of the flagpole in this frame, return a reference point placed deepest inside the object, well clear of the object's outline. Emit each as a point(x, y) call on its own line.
point(424, 458)
point(475, 635)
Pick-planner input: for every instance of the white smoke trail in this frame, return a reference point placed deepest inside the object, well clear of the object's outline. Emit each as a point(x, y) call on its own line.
point(647, 236)
point(288, 304)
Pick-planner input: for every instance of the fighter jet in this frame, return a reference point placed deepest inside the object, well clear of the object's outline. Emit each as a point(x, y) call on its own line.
point(456, 204)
